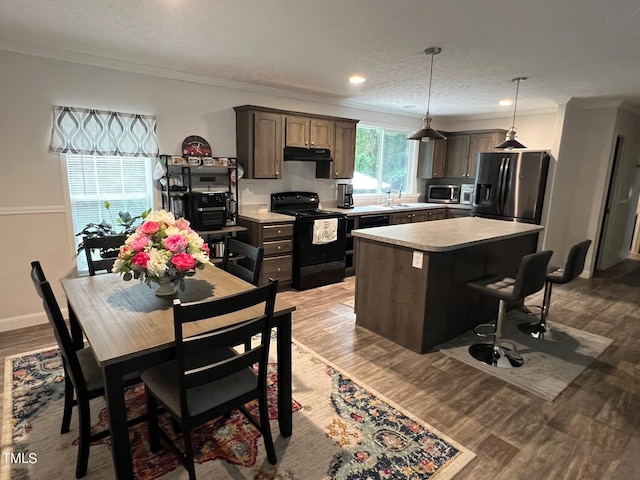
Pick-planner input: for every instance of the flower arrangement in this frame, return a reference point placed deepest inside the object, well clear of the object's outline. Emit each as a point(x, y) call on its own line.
point(162, 247)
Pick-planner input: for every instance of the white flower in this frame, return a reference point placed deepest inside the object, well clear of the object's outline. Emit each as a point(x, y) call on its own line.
point(119, 265)
point(161, 216)
point(195, 242)
point(172, 231)
point(157, 264)
point(201, 257)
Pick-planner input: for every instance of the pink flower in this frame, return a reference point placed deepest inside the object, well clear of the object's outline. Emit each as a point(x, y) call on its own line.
point(138, 242)
point(148, 228)
point(140, 259)
point(205, 249)
point(176, 243)
point(182, 224)
point(184, 262)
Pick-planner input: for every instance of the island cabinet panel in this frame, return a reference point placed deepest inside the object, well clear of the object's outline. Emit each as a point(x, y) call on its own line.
point(419, 308)
point(390, 308)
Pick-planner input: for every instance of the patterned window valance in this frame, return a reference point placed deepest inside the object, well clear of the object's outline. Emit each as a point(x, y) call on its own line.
point(95, 132)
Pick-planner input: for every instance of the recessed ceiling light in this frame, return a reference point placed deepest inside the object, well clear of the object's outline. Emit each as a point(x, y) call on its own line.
point(505, 103)
point(357, 79)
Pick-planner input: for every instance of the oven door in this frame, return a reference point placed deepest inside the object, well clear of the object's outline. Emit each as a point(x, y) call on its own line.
point(307, 253)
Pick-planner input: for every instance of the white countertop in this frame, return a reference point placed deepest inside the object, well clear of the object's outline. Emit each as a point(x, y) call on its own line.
point(265, 217)
point(447, 235)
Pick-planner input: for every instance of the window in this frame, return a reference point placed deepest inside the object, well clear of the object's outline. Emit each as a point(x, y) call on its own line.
point(383, 161)
point(123, 181)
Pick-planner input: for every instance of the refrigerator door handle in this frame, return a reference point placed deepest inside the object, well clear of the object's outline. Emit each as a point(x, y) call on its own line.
point(500, 184)
point(505, 184)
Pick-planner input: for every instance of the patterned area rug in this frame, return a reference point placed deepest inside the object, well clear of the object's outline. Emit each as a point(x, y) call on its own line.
point(549, 366)
point(341, 430)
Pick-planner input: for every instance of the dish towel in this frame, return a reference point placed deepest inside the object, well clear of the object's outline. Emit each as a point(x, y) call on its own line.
point(325, 231)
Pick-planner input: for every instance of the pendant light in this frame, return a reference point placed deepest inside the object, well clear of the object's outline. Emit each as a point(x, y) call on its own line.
point(426, 132)
point(510, 141)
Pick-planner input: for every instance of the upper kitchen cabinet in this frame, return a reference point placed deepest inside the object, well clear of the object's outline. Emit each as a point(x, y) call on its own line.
point(432, 159)
point(343, 153)
point(308, 132)
point(259, 142)
point(463, 149)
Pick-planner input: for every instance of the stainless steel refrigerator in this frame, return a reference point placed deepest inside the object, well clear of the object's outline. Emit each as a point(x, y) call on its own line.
point(510, 186)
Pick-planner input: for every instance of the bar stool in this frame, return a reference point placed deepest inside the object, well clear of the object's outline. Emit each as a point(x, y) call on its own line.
point(529, 279)
point(572, 268)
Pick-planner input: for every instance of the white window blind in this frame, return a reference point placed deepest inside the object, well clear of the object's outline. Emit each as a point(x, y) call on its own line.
point(125, 182)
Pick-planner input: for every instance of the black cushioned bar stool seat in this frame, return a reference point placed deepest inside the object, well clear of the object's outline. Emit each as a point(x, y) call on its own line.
point(572, 268)
point(529, 279)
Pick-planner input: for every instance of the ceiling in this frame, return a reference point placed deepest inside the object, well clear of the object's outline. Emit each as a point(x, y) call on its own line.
point(567, 49)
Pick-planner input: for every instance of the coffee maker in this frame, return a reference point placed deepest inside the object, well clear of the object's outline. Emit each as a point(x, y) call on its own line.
point(345, 195)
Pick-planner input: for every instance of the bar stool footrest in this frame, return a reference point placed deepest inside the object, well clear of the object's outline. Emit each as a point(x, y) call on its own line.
point(485, 330)
point(496, 355)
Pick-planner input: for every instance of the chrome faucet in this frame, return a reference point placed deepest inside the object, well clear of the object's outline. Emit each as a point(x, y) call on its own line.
point(389, 192)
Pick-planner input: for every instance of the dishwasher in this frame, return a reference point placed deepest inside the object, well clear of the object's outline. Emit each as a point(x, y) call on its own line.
point(368, 221)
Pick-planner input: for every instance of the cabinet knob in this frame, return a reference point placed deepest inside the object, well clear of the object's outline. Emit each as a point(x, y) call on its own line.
point(429, 213)
point(312, 144)
point(306, 143)
point(279, 247)
point(278, 269)
point(337, 173)
point(277, 174)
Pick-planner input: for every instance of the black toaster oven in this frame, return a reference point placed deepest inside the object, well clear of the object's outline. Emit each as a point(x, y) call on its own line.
point(208, 210)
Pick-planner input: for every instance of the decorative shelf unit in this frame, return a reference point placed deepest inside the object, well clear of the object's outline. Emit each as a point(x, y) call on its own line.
point(184, 179)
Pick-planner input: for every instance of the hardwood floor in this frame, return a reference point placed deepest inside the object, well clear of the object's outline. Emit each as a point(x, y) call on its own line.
point(591, 431)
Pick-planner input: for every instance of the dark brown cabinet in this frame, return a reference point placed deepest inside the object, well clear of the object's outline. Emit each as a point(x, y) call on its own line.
point(277, 241)
point(416, 216)
point(343, 153)
point(463, 149)
point(262, 133)
point(432, 158)
point(308, 132)
point(259, 143)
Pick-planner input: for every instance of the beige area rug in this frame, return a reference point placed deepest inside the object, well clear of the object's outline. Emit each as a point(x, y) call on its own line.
point(341, 429)
point(550, 365)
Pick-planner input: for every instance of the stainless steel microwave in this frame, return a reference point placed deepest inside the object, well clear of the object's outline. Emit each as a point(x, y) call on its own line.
point(443, 194)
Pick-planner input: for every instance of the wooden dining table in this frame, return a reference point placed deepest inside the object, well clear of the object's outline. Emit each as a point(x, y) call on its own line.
point(131, 329)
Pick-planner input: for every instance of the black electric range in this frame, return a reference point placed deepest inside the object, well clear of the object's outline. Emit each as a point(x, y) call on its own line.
point(319, 239)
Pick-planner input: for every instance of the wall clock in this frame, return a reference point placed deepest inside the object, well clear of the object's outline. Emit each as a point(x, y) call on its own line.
point(196, 146)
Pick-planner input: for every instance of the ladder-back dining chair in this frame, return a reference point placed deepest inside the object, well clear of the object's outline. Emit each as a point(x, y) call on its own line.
point(209, 378)
point(82, 374)
point(110, 242)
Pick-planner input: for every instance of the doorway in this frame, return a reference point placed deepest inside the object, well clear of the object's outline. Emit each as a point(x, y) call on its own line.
point(616, 231)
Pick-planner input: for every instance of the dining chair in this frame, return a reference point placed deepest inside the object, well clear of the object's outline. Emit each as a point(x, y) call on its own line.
point(248, 268)
point(209, 377)
point(82, 374)
point(109, 242)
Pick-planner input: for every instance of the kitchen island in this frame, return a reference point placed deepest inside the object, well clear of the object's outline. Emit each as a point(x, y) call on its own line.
point(410, 279)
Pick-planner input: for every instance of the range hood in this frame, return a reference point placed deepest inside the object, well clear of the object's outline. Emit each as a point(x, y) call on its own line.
point(307, 154)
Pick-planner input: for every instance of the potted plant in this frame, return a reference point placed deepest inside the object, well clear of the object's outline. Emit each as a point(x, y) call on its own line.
point(125, 225)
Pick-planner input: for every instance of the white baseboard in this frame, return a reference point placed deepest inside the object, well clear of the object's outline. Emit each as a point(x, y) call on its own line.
point(23, 321)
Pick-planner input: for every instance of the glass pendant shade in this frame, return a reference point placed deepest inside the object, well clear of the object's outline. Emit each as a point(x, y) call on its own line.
point(510, 140)
point(426, 132)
